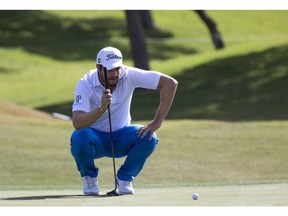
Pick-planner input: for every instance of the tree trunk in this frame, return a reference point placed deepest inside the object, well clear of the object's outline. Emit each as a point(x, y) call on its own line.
point(137, 39)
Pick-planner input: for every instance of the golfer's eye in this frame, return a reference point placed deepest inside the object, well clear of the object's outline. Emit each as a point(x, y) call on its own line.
point(114, 71)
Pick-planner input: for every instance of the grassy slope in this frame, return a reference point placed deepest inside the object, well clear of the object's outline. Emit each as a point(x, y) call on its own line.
point(48, 67)
point(235, 91)
point(213, 85)
point(189, 151)
point(243, 83)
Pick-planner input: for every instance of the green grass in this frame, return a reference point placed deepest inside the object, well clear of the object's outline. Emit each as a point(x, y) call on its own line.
point(33, 150)
point(244, 194)
point(228, 123)
point(245, 81)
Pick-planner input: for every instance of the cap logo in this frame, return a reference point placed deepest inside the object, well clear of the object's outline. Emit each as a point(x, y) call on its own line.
point(113, 56)
point(99, 60)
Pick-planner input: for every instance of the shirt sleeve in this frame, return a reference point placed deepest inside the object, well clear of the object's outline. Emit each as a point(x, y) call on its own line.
point(144, 78)
point(81, 97)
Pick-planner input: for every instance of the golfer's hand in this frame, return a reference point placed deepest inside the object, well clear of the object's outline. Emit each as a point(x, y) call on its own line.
point(152, 127)
point(106, 99)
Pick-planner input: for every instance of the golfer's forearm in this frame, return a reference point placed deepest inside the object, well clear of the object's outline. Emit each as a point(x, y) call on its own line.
point(167, 86)
point(85, 119)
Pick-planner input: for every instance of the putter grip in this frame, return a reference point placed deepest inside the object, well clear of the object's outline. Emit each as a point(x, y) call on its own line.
point(106, 78)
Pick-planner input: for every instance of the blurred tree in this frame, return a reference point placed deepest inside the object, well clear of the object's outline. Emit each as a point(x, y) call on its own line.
point(146, 19)
point(140, 20)
point(137, 39)
point(151, 29)
point(141, 23)
point(212, 26)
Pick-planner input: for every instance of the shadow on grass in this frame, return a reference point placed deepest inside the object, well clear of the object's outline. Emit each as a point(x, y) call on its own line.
point(54, 197)
point(70, 39)
point(63, 108)
point(241, 88)
point(24, 28)
point(4, 70)
point(43, 33)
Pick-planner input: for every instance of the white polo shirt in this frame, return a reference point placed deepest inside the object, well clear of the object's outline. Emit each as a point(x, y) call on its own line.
point(89, 91)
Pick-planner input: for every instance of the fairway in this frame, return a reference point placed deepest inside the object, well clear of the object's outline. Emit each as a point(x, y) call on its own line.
point(225, 136)
point(240, 194)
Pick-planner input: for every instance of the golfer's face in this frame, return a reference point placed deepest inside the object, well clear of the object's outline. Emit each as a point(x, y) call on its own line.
point(113, 76)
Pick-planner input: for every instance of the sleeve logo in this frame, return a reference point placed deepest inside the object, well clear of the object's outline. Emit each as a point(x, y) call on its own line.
point(78, 99)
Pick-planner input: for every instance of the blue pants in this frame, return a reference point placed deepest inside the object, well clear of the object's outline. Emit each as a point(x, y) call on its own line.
point(88, 144)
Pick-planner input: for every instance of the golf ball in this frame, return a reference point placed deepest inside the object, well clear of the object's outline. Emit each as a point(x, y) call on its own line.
point(195, 196)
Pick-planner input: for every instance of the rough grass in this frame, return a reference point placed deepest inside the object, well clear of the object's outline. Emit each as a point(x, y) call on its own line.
point(35, 151)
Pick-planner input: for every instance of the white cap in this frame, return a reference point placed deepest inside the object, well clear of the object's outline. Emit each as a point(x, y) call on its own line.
point(109, 57)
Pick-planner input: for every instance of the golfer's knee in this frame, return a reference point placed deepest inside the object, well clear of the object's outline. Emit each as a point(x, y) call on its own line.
point(150, 144)
point(80, 142)
point(80, 136)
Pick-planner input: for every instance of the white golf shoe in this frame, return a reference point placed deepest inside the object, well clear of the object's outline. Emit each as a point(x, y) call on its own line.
point(90, 185)
point(125, 187)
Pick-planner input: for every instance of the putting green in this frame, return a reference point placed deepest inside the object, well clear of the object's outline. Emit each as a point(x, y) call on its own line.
point(244, 194)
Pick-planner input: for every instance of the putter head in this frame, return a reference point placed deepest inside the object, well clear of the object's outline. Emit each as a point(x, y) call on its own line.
point(114, 192)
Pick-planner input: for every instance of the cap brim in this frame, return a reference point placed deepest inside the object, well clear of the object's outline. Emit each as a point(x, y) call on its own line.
point(115, 65)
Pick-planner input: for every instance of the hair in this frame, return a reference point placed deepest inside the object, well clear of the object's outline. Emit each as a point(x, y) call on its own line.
point(99, 65)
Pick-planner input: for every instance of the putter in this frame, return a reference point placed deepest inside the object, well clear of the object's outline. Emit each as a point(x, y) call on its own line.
point(114, 192)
